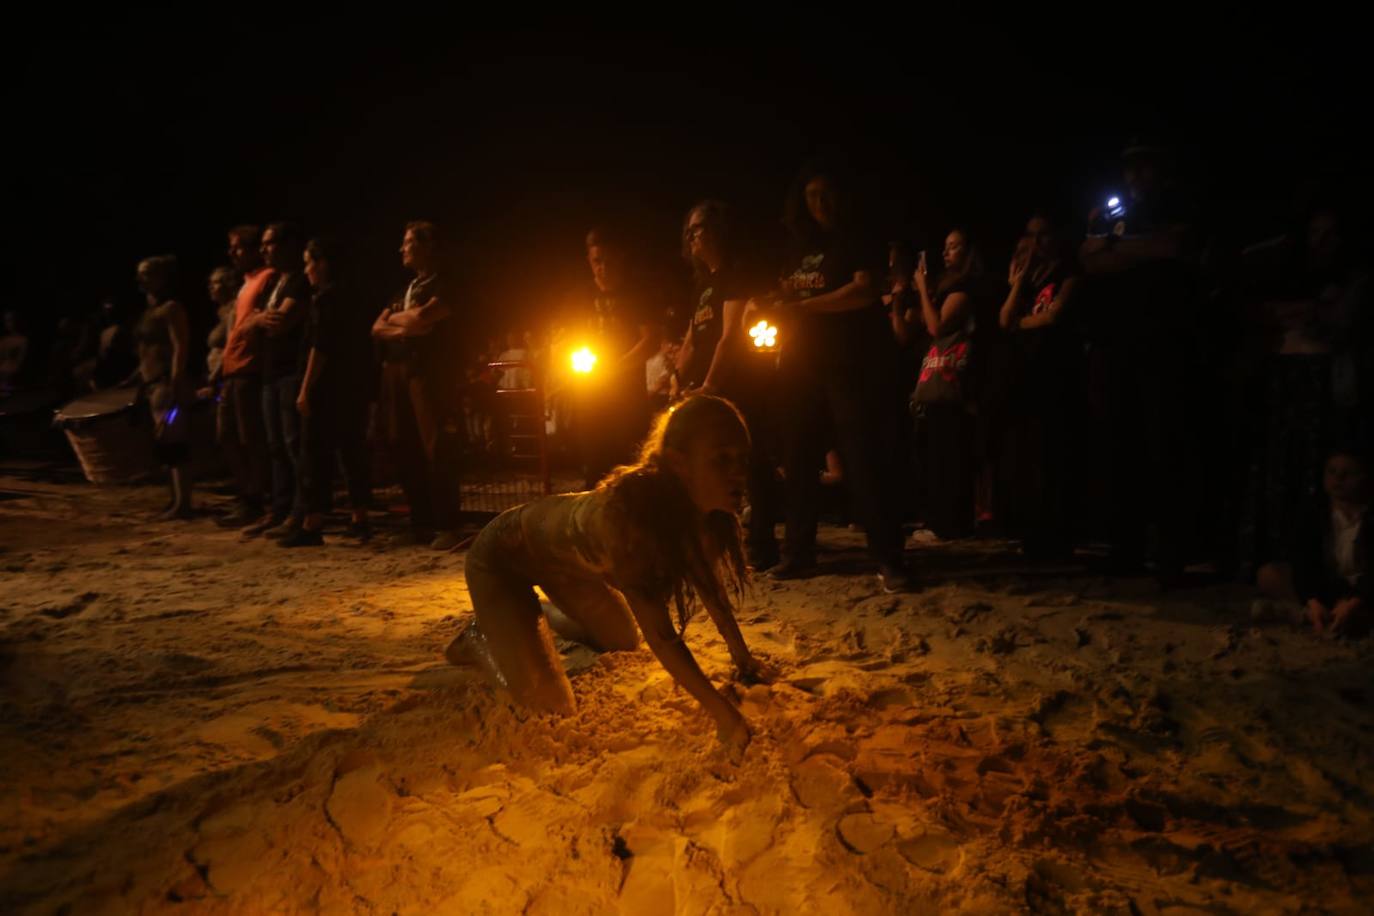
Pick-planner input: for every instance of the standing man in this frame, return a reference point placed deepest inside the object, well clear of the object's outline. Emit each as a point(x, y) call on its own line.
point(280, 328)
point(1143, 264)
point(238, 417)
point(419, 392)
point(612, 410)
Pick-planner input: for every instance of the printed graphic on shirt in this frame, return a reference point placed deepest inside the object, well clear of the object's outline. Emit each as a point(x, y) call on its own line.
point(706, 310)
point(1045, 298)
point(947, 363)
point(809, 277)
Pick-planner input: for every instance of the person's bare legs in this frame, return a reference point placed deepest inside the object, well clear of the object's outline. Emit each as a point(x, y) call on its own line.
point(591, 613)
point(510, 639)
point(179, 480)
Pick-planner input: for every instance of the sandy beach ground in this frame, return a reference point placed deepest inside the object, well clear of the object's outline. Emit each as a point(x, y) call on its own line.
point(193, 724)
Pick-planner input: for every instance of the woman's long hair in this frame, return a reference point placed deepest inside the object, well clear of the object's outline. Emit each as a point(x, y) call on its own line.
point(970, 272)
point(716, 215)
point(691, 554)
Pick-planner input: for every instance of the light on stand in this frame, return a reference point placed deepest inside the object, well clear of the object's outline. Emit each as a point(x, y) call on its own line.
point(765, 336)
point(583, 360)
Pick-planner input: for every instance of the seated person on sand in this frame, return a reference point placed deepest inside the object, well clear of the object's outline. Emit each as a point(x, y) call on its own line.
point(1327, 580)
point(612, 559)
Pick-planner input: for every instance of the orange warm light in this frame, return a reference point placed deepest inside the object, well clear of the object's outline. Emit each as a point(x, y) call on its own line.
point(583, 360)
point(765, 336)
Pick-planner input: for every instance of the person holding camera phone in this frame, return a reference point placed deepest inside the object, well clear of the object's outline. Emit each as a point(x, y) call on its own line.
point(1042, 282)
point(1145, 280)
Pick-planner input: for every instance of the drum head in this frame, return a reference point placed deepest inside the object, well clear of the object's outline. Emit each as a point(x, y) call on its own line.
point(98, 404)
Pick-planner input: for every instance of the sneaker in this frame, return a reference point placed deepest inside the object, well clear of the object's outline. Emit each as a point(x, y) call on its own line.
point(264, 523)
point(285, 529)
point(362, 531)
point(896, 579)
point(791, 568)
point(301, 537)
point(411, 537)
point(177, 514)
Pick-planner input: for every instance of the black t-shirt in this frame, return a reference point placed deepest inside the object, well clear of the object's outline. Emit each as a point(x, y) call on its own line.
point(614, 322)
point(339, 328)
point(435, 354)
point(281, 354)
point(822, 265)
point(708, 320)
point(1053, 347)
point(1154, 301)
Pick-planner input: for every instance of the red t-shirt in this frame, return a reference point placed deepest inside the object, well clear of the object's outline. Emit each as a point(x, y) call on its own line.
point(241, 350)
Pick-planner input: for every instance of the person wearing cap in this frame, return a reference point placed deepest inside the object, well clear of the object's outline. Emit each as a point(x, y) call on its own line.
point(1142, 271)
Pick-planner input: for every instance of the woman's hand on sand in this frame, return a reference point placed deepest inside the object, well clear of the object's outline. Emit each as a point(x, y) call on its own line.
point(733, 732)
point(756, 670)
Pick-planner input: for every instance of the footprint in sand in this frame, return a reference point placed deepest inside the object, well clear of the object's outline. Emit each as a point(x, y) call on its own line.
point(359, 805)
point(229, 848)
point(74, 606)
point(933, 851)
point(889, 697)
point(1063, 715)
point(862, 833)
point(1049, 881)
point(821, 784)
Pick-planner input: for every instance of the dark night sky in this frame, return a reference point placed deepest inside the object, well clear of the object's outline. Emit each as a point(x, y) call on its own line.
point(134, 140)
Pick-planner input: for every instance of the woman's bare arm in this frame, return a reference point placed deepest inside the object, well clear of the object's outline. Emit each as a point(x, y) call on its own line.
point(179, 330)
point(666, 643)
point(856, 294)
point(1051, 314)
point(732, 331)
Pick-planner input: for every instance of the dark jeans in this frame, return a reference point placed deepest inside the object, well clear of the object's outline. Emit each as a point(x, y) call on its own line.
point(243, 438)
point(428, 454)
point(765, 491)
point(945, 468)
point(283, 426)
point(336, 424)
point(1041, 450)
point(1151, 394)
point(859, 405)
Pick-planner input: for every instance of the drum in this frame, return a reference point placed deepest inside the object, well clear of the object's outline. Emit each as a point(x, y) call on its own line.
point(112, 435)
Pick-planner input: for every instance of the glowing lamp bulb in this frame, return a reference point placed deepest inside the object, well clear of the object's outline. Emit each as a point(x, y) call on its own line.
point(1114, 202)
point(583, 361)
point(765, 336)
